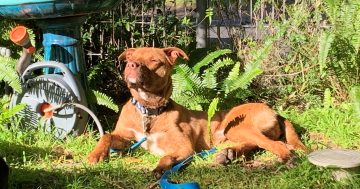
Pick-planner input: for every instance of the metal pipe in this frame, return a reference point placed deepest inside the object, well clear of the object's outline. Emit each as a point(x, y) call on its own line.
point(23, 62)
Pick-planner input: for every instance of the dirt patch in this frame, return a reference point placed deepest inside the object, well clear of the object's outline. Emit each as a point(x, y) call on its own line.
point(319, 140)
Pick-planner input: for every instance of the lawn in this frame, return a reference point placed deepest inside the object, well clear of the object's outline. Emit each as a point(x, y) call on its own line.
point(306, 56)
point(39, 161)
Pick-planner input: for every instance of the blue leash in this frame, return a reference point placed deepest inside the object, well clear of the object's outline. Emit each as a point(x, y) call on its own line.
point(164, 183)
point(132, 147)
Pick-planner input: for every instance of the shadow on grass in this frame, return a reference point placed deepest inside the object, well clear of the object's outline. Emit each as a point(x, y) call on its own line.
point(85, 178)
point(15, 153)
point(302, 175)
point(33, 167)
point(121, 173)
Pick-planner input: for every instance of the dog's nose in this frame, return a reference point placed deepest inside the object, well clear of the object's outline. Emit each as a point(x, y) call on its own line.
point(133, 64)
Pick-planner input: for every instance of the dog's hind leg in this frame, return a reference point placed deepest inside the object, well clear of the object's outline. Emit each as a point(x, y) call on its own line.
point(256, 137)
point(101, 151)
point(290, 134)
point(277, 147)
point(227, 155)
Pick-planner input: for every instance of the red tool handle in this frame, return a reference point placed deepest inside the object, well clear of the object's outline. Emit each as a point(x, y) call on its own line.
point(20, 36)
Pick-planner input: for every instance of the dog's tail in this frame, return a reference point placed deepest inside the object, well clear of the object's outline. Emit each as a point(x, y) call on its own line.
point(290, 134)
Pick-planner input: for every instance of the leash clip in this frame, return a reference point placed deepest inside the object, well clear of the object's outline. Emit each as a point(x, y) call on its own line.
point(132, 147)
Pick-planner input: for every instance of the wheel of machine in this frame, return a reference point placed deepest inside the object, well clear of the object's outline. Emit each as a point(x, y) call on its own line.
point(43, 92)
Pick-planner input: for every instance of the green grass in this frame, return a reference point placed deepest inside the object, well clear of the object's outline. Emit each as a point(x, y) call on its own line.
point(39, 161)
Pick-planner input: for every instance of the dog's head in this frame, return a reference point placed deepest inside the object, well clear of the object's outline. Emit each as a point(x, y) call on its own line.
point(147, 71)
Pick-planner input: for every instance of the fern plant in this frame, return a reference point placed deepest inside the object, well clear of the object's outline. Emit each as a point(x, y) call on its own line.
point(328, 99)
point(325, 42)
point(8, 73)
point(7, 113)
point(97, 97)
point(340, 43)
point(196, 87)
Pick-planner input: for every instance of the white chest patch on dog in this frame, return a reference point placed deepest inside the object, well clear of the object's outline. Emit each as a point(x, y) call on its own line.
point(142, 94)
point(151, 142)
point(132, 80)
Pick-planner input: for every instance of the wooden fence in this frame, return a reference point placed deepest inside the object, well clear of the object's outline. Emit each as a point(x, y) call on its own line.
point(149, 23)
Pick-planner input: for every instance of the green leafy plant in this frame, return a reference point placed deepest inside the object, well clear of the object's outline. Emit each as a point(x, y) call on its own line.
point(8, 73)
point(343, 60)
point(199, 86)
point(337, 38)
point(211, 112)
point(209, 13)
point(100, 98)
point(319, 50)
point(95, 77)
point(219, 76)
point(196, 86)
point(325, 42)
point(328, 99)
point(6, 113)
point(355, 96)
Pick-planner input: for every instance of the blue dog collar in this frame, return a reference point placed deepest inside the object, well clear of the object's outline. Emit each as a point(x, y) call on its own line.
point(148, 111)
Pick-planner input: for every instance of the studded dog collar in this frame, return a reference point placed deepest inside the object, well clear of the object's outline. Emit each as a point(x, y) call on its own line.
point(148, 111)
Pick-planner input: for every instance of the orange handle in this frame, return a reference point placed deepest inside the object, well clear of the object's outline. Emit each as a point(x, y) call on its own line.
point(20, 36)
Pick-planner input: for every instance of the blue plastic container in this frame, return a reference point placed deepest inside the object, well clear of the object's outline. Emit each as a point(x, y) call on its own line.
point(41, 9)
point(60, 21)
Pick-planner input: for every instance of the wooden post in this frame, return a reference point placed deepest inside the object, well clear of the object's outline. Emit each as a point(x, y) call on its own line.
point(251, 12)
point(201, 28)
point(142, 24)
point(164, 22)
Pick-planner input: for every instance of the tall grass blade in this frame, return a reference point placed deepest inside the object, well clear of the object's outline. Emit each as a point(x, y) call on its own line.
point(211, 112)
point(355, 96)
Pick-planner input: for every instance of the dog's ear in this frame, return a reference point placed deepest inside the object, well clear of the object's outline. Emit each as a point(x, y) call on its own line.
point(125, 55)
point(173, 53)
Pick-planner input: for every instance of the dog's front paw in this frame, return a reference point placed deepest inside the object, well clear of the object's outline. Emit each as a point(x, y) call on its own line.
point(158, 172)
point(165, 163)
point(225, 156)
point(96, 156)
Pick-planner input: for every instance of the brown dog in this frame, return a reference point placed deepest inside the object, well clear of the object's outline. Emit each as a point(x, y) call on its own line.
point(174, 132)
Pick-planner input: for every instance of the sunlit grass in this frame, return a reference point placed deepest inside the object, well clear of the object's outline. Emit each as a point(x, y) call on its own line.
point(37, 160)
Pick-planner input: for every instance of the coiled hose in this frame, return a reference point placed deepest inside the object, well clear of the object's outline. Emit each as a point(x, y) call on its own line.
point(86, 109)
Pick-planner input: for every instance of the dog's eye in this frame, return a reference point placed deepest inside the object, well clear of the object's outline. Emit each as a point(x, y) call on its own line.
point(154, 63)
point(154, 60)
